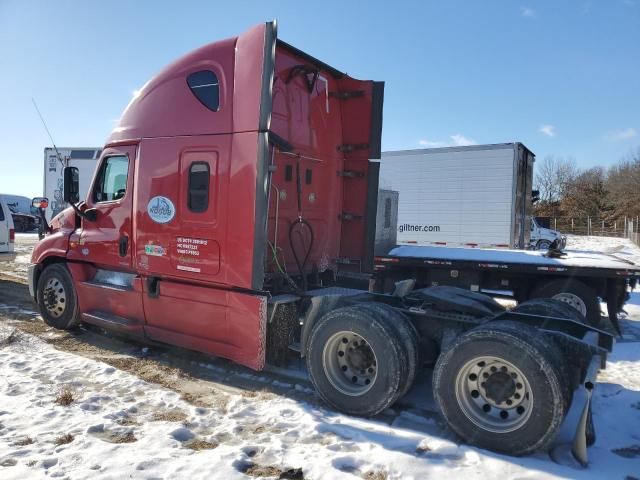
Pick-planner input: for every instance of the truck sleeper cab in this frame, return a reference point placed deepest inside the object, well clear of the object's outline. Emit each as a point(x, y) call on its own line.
point(233, 212)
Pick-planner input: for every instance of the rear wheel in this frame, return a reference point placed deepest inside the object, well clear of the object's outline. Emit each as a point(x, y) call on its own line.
point(574, 293)
point(550, 307)
point(499, 386)
point(57, 297)
point(356, 361)
point(406, 332)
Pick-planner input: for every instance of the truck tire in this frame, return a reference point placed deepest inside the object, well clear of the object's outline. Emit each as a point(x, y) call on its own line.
point(575, 293)
point(356, 361)
point(57, 297)
point(407, 333)
point(499, 386)
point(550, 307)
point(543, 245)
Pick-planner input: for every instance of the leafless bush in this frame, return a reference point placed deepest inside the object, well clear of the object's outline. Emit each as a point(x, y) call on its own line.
point(64, 439)
point(64, 397)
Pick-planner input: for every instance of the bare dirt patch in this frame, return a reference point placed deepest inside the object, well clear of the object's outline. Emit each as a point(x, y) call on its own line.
point(199, 444)
point(13, 337)
point(375, 475)
point(169, 416)
point(256, 470)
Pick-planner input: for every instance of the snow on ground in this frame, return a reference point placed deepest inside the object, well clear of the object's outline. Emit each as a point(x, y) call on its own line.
point(23, 248)
point(619, 247)
point(117, 425)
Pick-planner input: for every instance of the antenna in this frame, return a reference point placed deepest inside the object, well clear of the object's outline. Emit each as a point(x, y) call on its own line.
point(48, 132)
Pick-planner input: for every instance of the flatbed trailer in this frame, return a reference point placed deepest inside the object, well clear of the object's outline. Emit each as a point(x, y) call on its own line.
point(578, 278)
point(232, 212)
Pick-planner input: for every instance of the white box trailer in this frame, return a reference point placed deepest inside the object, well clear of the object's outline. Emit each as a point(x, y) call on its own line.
point(472, 196)
point(84, 158)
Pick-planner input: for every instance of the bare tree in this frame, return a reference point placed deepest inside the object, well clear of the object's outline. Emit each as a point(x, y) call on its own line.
point(623, 185)
point(586, 195)
point(553, 177)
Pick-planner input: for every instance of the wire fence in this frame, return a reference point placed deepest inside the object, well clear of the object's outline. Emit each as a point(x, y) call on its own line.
point(627, 227)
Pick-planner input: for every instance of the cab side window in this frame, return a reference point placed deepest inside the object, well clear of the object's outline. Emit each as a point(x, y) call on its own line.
point(198, 199)
point(111, 183)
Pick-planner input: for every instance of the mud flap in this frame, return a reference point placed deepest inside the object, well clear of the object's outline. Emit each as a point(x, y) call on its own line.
point(577, 431)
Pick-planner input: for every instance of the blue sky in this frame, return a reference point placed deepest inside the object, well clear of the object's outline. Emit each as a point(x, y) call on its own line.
point(562, 77)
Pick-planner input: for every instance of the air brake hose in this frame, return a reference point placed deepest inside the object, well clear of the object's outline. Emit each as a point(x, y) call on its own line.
point(301, 221)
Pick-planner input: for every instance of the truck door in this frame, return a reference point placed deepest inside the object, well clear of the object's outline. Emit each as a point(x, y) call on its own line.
point(108, 237)
point(109, 291)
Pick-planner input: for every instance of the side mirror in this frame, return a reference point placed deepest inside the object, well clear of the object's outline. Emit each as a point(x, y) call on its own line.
point(40, 202)
point(535, 196)
point(71, 185)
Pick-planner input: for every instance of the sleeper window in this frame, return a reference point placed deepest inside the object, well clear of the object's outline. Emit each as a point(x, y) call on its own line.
point(204, 85)
point(198, 200)
point(112, 179)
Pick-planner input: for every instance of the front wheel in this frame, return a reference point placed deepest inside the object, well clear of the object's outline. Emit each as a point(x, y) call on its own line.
point(57, 297)
point(543, 245)
point(499, 386)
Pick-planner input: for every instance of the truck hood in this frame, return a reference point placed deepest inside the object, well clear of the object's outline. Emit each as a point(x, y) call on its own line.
point(548, 231)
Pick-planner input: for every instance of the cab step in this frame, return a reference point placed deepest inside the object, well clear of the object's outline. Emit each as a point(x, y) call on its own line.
point(112, 322)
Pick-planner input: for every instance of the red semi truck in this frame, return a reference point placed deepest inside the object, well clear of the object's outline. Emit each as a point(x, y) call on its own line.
point(233, 212)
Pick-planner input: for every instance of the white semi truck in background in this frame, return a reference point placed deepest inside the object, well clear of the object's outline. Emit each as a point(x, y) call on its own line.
point(84, 158)
point(472, 196)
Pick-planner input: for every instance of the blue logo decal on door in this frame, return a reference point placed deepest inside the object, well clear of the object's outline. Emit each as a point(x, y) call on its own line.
point(161, 209)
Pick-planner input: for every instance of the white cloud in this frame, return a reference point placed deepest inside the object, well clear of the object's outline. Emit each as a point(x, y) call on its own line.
point(456, 140)
point(625, 134)
point(548, 130)
point(528, 12)
point(460, 140)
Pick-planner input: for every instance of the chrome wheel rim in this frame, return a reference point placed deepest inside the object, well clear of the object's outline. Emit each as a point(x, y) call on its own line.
point(349, 363)
point(55, 297)
point(494, 394)
point(573, 300)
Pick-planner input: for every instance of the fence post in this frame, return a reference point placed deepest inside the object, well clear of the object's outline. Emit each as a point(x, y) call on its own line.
point(555, 223)
point(571, 225)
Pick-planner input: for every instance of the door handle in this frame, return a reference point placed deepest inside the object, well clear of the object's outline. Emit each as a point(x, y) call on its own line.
point(123, 245)
point(153, 287)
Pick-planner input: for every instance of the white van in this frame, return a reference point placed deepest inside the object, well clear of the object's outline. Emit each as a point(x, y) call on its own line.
point(7, 232)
